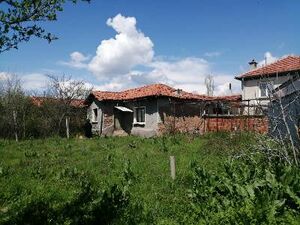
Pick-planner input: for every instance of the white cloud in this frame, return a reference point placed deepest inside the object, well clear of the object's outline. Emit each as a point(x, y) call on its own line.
point(268, 58)
point(173, 74)
point(212, 54)
point(77, 60)
point(34, 81)
point(223, 87)
point(117, 61)
point(4, 76)
point(186, 70)
point(118, 55)
point(30, 81)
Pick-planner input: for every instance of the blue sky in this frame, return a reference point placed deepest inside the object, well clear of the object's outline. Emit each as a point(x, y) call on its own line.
point(173, 42)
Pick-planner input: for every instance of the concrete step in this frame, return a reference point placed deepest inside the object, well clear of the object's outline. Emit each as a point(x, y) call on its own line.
point(119, 133)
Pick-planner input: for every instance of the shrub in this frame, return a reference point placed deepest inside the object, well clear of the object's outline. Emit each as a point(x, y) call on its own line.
point(249, 191)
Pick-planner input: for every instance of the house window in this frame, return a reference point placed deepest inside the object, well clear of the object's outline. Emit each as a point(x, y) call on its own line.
point(95, 115)
point(265, 88)
point(139, 115)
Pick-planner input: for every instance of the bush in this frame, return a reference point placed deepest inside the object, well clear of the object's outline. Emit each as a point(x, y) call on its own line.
point(249, 191)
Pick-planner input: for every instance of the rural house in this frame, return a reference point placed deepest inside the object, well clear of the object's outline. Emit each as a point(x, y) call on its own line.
point(153, 109)
point(258, 83)
point(284, 112)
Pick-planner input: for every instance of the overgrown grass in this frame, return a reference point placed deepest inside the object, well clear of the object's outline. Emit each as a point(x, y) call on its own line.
point(54, 170)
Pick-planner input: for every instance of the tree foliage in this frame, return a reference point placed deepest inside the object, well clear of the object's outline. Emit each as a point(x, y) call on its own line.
point(20, 20)
point(64, 98)
point(23, 116)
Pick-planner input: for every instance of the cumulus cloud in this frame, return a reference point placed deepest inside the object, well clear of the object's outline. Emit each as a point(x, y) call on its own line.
point(30, 81)
point(186, 74)
point(223, 86)
point(268, 58)
point(5, 75)
point(118, 60)
point(34, 81)
point(118, 55)
point(186, 70)
point(77, 60)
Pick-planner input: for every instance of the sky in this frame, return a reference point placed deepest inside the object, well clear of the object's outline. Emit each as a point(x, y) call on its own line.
point(120, 44)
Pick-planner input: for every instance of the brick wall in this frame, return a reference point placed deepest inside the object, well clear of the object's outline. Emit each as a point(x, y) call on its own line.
point(196, 124)
point(108, 115)
point(191, 124)
point(256, 124)
point(107, 120)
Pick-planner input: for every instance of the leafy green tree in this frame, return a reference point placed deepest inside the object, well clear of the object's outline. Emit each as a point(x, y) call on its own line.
point(20, 20)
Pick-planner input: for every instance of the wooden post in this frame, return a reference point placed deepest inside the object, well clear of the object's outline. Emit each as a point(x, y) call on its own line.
point(217, 120)
point(248, 116)
point(173, 167)
point(174, 118)
point(67, 126)
point(204, 124)
point(101, 124)
point(15, 125)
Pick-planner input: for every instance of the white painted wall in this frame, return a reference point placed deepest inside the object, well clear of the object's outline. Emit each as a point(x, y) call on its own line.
point(251, 88)
point(95, 124)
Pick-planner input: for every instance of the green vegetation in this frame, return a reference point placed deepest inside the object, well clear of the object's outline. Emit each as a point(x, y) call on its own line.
point(126, 180)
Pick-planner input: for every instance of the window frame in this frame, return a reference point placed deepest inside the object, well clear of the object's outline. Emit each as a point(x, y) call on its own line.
point(94, 116)
point(135, 114)
point(267, 90)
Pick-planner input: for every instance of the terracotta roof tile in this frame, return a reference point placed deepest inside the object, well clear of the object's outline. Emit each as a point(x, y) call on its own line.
point(228, 98)
point(38, 101)
point(289, 63)
point(157, 90)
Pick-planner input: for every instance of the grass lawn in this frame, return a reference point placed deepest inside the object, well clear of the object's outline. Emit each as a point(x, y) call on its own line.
point(52, 168)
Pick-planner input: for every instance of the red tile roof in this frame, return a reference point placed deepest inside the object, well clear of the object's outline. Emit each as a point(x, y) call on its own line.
point(229, 98)
point(157, 90)
point(287, 64)
point(38, 101)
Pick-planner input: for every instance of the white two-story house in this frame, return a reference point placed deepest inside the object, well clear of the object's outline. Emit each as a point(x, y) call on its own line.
point(258, 83)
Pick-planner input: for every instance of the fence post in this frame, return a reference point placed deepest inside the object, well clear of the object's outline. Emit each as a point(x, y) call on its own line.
point(248, 126)
point(173, 167)
point(217, 121)
point(15, 125)
point(67, 126)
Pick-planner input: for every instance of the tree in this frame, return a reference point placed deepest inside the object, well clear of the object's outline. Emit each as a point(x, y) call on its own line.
point(210, 85)
point(14, 108)
point(64, 98)
point(20, 20)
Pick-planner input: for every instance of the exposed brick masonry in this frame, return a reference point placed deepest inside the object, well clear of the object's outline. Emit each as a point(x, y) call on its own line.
point(195, 124)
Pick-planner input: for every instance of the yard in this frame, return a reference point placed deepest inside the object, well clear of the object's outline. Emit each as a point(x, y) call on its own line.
point(126, 180)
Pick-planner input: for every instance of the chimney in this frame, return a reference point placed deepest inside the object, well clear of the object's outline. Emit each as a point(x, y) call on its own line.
point(178, 92)
point(253, 64)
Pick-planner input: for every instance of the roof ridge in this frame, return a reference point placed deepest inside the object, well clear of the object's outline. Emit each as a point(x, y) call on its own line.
point(270, 64)
point(255, 72)
point(137, 88)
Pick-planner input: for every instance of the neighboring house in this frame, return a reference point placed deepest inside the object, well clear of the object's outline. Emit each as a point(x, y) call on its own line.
point(76, 103)
point(284, 112)
point(258, 83)
point(148, 110)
